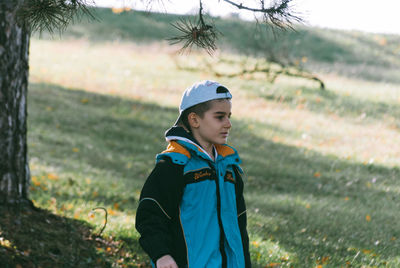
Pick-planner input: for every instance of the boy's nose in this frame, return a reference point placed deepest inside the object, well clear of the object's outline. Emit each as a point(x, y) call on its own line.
point(228, 123)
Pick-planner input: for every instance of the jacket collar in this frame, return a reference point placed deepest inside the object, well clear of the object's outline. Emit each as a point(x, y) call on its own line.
point(177, 133)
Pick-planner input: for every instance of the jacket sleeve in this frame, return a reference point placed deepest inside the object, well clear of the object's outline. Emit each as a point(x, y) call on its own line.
point(242, 217)
point(159, 203)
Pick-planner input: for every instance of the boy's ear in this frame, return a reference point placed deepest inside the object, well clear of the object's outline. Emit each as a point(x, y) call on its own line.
point(193, 119)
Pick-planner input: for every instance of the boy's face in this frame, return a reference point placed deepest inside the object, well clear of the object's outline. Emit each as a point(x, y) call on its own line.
point(214, 127)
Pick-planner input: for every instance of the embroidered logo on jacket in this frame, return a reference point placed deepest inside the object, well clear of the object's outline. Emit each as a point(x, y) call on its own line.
point(201, 174)
point(229, 177)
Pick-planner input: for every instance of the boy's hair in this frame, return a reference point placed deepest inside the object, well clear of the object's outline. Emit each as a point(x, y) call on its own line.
point(199, 109)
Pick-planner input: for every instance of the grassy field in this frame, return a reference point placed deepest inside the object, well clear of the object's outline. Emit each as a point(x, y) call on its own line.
point(353, 54)
point(321, 167)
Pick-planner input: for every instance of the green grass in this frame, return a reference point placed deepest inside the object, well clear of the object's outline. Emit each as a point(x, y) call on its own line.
point(321, 167)
point(353, 54)
point(303, 206)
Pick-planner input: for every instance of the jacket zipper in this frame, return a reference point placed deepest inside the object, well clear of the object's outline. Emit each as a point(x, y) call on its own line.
point(221, 228)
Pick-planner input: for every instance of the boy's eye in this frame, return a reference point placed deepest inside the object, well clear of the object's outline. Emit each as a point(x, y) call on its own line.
point(220, 117)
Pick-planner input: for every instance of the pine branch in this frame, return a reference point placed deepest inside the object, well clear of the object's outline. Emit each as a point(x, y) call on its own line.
point(279, 14)
point(197, 33)
point(51, 15)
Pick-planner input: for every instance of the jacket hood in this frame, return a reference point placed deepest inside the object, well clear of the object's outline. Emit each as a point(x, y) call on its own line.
point(180, 141)
point(179, 133)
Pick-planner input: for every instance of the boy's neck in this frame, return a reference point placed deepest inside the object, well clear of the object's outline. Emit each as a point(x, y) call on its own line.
point(210, 150)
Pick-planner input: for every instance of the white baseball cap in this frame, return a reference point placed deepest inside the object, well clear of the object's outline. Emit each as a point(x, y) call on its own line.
point(201, 92)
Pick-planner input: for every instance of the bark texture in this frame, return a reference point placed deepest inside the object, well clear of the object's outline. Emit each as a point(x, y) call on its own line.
point(14, 70)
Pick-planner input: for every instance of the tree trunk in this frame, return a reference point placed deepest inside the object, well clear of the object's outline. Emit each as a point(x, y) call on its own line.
point(14, 70)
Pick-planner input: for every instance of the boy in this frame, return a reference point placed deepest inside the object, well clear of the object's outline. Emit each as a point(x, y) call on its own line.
point(191, 211)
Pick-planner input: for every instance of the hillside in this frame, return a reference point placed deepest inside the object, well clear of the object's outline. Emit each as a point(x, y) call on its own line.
point(321, 168)
point(349, 53)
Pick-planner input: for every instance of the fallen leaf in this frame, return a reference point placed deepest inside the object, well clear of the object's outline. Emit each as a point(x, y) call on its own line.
point(255, 243)
point(276, 139)
point(117, 10)
point(52, 176)
point(273, 264)
point(35, 181)
point(77, 214)
point(111, 212)
point(366, 251)
point(317, 174)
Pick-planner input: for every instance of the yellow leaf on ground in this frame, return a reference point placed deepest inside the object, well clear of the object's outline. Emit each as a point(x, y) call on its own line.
point(75, 150)
point(111, 212)
point(255, 243)
point(273, 264)
point(325, 259)
point(77, 214)
point(35, 181)
point(52, 176)
point(317, 174)
point(382, 41)
point(367, 251)
point(276, 139)
point(368, 218)
point(116, 205)
point(117, 10)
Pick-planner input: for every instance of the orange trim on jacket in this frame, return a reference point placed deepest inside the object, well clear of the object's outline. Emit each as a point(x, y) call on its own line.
point(224, 150)
point(174, 147)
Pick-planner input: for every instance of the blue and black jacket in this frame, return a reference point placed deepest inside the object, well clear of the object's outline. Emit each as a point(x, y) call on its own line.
point(192, 208)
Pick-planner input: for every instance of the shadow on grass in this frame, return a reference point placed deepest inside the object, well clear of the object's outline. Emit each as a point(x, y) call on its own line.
point(330, 103)
point(310, 204)
point(38, 238)
point(316, 206)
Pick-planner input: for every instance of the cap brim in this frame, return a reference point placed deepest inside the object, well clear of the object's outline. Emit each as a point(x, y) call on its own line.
point(178, 120)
